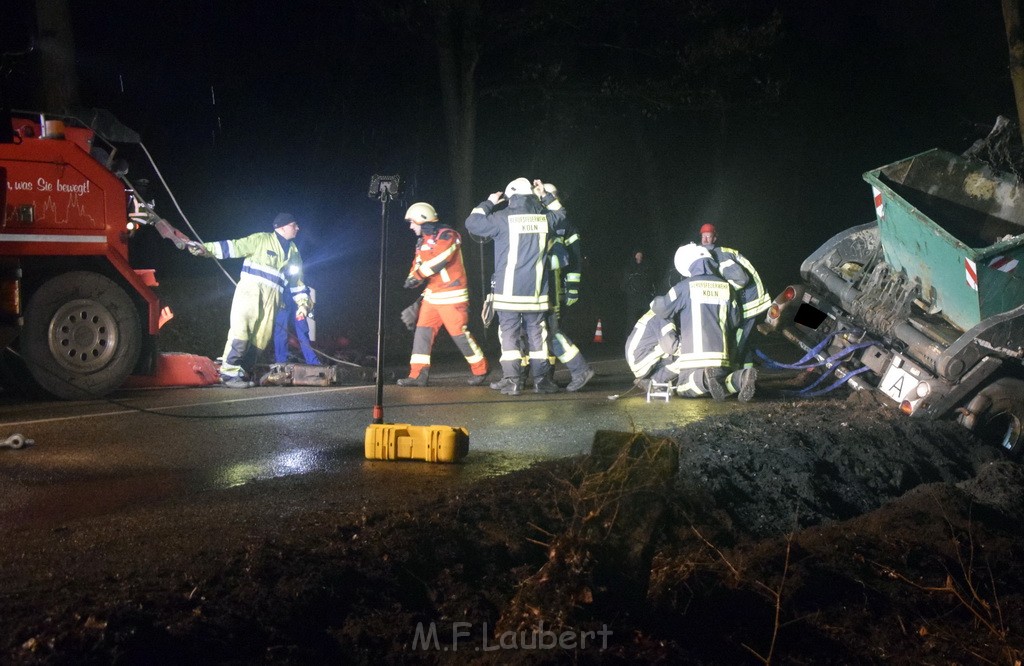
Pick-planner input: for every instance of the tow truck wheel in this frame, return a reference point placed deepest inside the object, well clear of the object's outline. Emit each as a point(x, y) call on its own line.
point(1002, 421)
point(81, 337)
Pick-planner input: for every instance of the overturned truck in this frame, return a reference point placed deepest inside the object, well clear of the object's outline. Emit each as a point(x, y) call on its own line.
point(925, 305)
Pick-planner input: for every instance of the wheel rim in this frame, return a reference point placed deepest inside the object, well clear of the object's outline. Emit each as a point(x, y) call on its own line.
point(83, 335)
point(1012, 433)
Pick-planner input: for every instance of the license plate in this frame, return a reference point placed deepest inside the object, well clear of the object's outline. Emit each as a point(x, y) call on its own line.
point(898, 384)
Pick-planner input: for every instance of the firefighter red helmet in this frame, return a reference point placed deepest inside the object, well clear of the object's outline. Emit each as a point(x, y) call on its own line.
point(708, 229)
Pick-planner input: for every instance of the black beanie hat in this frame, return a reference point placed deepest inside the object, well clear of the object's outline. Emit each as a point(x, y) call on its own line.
point(283, 219)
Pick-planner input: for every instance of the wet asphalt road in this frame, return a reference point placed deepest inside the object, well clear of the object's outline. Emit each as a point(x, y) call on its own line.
point(96, 457)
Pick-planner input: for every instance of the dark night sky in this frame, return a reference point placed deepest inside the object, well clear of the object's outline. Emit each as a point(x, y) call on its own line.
point(312, 98)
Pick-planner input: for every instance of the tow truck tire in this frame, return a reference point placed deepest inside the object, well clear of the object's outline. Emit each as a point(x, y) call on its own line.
point(1002, 421)
point(81, 337)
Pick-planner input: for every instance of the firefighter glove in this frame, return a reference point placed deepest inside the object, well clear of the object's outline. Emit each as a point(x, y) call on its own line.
point(301, 312)
point(197, 249)
point(487, 313)
point(410, 315)
point(572, 288)
point(412, 282)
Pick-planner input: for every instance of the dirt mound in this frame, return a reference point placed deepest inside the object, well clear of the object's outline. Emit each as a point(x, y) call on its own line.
point(825, 532)
point(780, 467)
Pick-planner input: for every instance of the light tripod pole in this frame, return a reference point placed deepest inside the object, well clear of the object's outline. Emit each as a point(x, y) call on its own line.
point(378, 407)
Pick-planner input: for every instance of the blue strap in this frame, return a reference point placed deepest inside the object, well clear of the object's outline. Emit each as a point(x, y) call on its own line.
point(828, 389)
point(802, 363)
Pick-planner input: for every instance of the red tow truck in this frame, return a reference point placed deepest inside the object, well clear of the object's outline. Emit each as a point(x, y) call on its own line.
point(77, 313)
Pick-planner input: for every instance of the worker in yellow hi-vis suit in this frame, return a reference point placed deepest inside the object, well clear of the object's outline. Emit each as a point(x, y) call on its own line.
point(272, 265)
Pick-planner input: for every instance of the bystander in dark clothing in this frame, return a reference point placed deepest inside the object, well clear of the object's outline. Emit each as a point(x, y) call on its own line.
point(638, 285)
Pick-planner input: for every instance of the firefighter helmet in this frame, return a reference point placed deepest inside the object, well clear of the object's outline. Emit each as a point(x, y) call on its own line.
point(421, 213)
point(687, 255)
point(708, 229)
point(518, 186)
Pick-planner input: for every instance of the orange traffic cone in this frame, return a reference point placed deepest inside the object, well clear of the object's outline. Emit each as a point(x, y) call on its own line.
point(598, 335)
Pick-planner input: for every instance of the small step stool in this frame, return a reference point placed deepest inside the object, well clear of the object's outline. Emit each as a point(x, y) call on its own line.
point(660, 390)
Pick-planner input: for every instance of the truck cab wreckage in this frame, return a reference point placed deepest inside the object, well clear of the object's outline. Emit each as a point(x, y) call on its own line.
point(924, 306)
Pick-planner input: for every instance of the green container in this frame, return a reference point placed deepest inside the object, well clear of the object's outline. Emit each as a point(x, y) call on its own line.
point(957, 226)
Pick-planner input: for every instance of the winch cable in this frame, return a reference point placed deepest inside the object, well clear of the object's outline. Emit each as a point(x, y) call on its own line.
point(199, 238)
point(177, 207)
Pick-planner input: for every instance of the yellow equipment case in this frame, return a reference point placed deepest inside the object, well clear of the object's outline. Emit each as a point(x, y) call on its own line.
point(401, 441)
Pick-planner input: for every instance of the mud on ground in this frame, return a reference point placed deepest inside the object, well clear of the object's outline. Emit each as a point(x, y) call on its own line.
point(794, 532)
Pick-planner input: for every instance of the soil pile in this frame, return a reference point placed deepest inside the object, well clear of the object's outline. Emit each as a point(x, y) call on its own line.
point(820, 532)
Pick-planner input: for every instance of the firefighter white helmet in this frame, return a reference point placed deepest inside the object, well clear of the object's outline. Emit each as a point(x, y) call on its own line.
point(687, 255)
point(421, 213)
point(518, 186)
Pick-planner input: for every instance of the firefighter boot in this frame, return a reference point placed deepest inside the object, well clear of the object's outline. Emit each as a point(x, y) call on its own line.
point(544, 385)
point(747, 384)
point(713, 383)
point(580, 380)
point(508, 386)
point(418, 380)
point(236, 382)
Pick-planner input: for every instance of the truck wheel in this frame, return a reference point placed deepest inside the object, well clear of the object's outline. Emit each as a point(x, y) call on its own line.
point(81, 337)
point(1001, 423)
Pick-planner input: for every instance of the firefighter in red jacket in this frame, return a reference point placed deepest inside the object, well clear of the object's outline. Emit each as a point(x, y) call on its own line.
point(438, 264)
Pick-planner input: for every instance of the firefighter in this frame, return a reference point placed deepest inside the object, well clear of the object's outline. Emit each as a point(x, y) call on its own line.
point(565, 261)
point(650, 347)
point(438, 264)
point(706, 315)
point(750, 292)
point(272, 265)
point(520, 231)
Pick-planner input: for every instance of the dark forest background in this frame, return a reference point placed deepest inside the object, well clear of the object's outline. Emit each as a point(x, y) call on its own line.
point(651, 116)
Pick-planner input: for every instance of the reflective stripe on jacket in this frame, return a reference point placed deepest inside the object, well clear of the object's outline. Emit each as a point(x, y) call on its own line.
point(267, 261)
point(652, 339)
point(707, 315)
point(520, 232)
point(438, 260)
point(743, 277)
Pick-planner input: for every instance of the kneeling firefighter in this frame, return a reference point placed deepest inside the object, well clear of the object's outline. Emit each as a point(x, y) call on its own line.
point(706, 315)
point(438, 264)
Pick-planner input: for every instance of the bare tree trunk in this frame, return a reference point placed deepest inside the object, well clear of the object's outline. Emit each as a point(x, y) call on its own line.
point(458, 55)
point(56, 61)
point(1011, 17)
